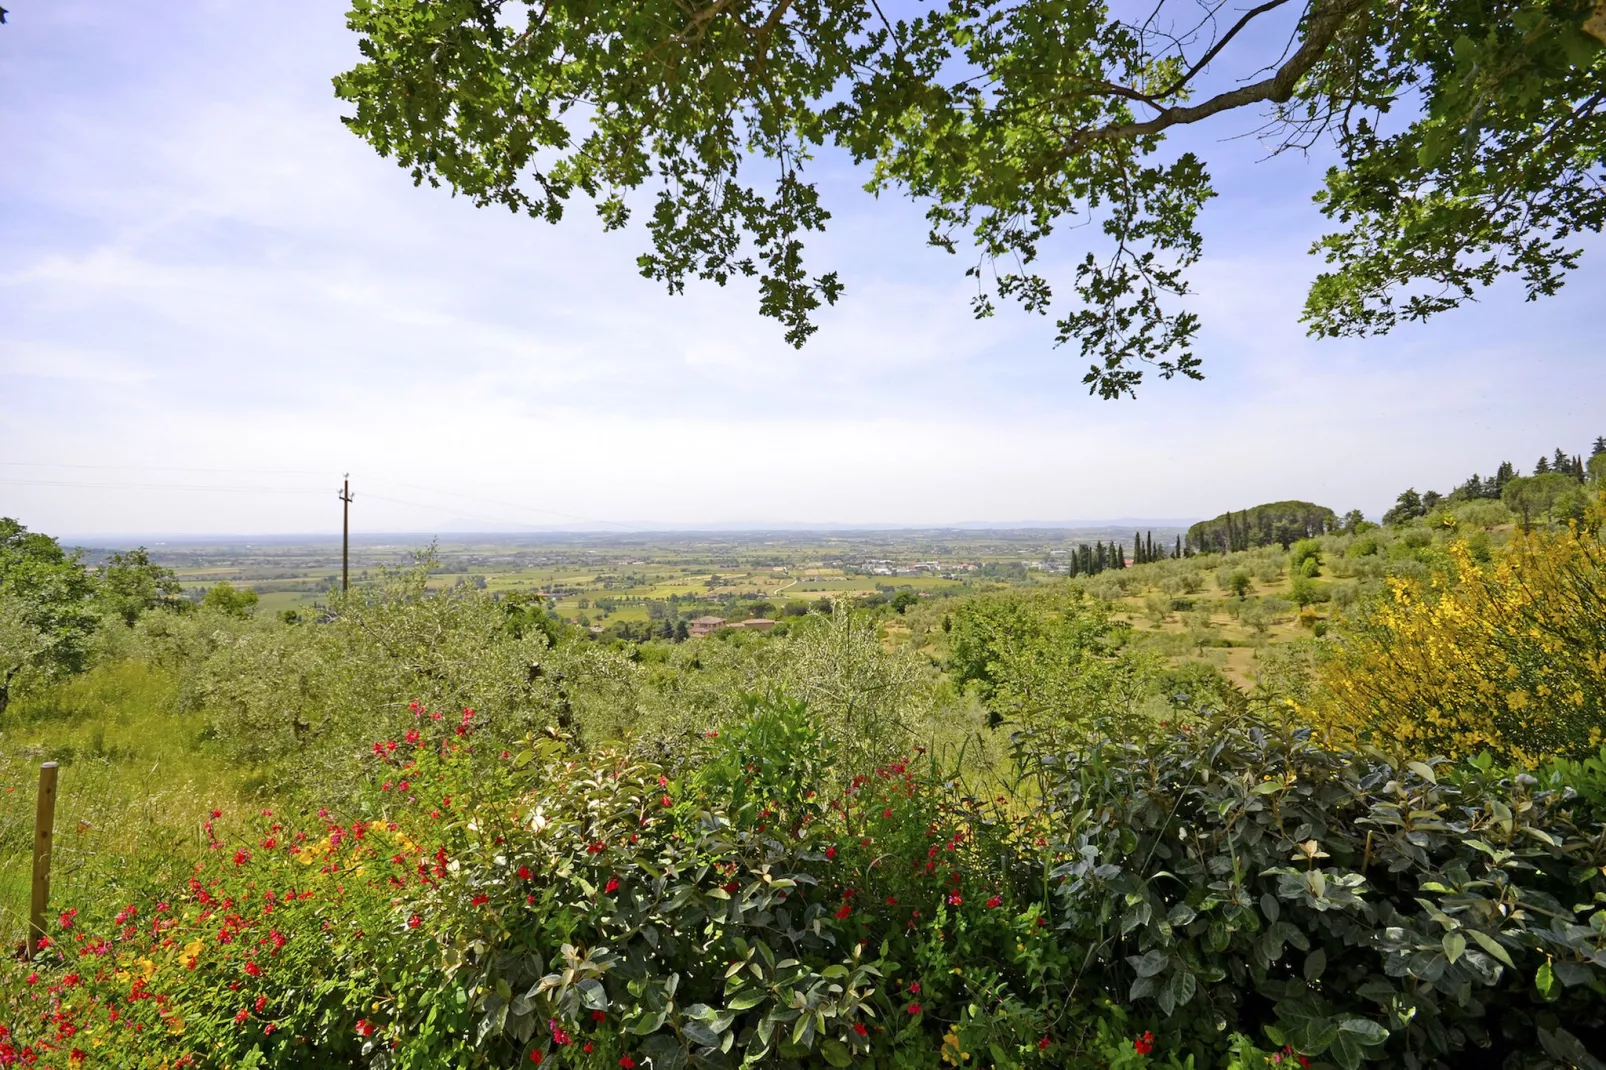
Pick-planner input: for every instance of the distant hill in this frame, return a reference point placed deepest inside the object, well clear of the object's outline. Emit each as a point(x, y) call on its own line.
point(1275, 522)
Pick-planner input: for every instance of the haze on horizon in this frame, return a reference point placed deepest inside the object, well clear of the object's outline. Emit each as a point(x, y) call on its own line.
point(214, 301)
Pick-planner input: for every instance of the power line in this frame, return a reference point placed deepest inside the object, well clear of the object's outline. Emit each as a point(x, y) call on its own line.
point(156, 486)
point(164, 468)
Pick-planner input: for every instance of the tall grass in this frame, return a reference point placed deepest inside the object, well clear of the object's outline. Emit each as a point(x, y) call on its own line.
point(137, 778)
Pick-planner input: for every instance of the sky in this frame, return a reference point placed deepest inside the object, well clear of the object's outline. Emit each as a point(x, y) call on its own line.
point(215, 301)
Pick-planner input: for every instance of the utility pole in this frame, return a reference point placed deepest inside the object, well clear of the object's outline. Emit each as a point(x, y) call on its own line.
point(345, 534)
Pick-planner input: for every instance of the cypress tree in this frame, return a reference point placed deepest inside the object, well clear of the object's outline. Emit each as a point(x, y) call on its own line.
point(1178, 554)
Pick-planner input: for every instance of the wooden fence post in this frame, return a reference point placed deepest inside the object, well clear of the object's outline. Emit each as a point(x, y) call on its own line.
point(44, 823)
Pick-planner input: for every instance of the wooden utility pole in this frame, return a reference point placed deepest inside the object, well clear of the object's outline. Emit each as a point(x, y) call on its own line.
point(345, 534)
point(44, 825)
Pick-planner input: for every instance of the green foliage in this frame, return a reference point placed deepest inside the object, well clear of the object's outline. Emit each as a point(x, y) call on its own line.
point(132, 584)
point(1008, 120)
point(225, 599)
point(1494, 176)
point(1375, 909)
point(1533, 497)
point(1276, 523)
point(46, 616)
point(1052, 663)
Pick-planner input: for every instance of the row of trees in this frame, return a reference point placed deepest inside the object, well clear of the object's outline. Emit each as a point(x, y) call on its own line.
point(1144, 550)
point(1552, 490)
point(1283, 523)
point(1091, 560)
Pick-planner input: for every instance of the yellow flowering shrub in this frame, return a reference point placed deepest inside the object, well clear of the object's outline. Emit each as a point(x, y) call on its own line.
point(1508, 656)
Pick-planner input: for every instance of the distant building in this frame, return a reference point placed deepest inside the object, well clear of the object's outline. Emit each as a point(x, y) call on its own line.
point(705, 626)
point(758, 624)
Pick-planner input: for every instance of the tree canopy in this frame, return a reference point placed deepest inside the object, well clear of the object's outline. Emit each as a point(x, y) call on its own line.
point(1469, 135)
point(46, 617)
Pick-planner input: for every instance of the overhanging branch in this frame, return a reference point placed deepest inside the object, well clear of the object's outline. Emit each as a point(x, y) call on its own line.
point(1324, 23)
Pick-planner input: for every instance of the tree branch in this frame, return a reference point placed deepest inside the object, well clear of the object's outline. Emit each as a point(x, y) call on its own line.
point(1324, 25)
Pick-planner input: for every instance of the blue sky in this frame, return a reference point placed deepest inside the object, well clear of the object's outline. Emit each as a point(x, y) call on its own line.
point(214, 300)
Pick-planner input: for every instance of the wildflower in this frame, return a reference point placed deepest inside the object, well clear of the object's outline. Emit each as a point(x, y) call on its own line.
point(914, 987)
point(365, 1028)
point(914, 1008)
point(239, 1019)
point(524, 873)
point(663, 781)
point(995, 902)
point(611, 887)
point(843, 911)
point(830, 852)
point(261, 1003)
point(241, 857)
point(859, 1028)
point(887, 813)
point(1144, 1044)
point(481, 899)
point(627, 1062)
point(1042, 1045)
point(559, 1037)
point(414, 922)
point(596, 848)
point(668, 802)
point(253, 970)
point(537, 1058)
point(599, 1016)
point(217, 814)
point(955, 899)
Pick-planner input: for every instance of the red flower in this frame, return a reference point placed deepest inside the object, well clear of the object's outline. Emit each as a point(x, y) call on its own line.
point(1144, 1044)
point(239, 1019)
point(994, 903)
point(914, 986)
point(559, 1037)
point(217, 813)
point(830, 852)
point(611, 887)
point(955, 899)
point(240, 857)
point(627, 1062)
point(481, 899)
point(668, 802)
point(1303, 1061)
point(524, 873)
point(1042, 1045)
point(253, 970)
point(858, 1027)
point(414, 922)
point(596, 848)
point(365, 1028)
point(537, 1058)
point(262, 1002)
point(844, 910)
point(599, 1016)
point(914, 1008)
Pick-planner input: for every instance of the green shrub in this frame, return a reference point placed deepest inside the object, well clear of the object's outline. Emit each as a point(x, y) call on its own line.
point(1236, 877)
